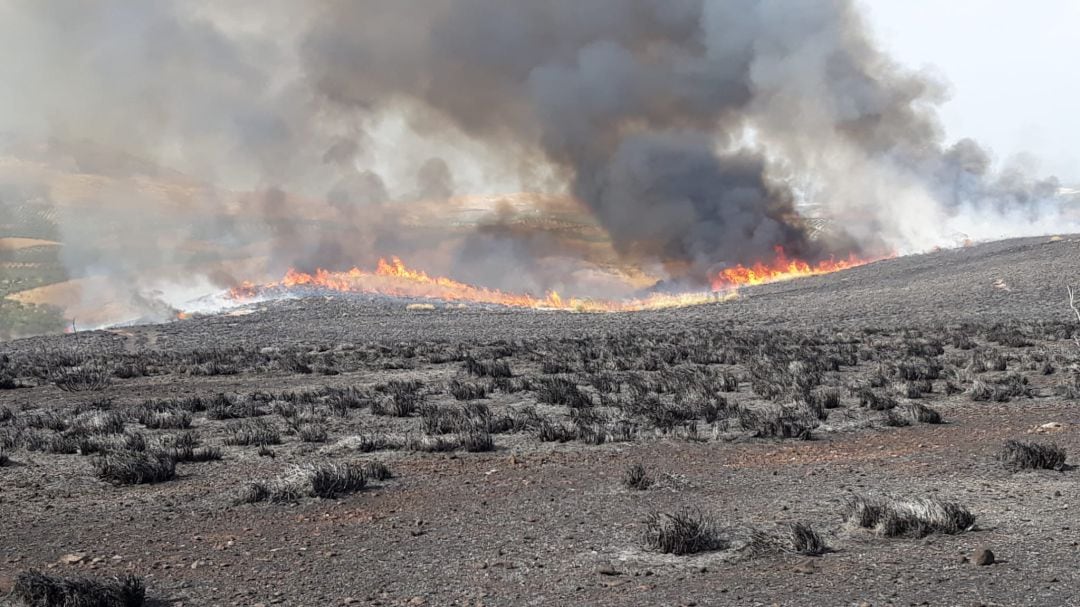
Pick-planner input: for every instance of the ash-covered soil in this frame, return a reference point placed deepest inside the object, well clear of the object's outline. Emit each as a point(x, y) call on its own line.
point(836, 440)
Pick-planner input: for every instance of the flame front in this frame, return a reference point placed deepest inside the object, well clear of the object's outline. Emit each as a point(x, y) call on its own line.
point(783, 268)
point(394, 279)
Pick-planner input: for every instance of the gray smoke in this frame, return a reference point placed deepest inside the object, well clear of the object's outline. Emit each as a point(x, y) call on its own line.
point(696, 133)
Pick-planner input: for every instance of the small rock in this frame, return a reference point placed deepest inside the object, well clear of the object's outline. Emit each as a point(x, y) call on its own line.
point(983, 557)
point(806, 566)
point(72, 559)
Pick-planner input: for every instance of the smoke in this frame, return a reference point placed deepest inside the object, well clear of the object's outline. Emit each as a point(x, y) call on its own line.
point(691, 130)
point(696, 134)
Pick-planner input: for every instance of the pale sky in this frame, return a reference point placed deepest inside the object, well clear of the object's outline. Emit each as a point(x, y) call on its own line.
point(1013, 67)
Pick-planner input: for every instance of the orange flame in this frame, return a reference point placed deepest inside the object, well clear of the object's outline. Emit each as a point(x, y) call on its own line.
point(783, 268)
point(393, 278)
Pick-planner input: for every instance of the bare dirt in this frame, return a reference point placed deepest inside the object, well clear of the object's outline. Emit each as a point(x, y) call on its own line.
point(543, 522)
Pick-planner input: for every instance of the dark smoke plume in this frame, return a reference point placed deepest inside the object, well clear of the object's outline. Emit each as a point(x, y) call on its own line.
point(697, 133)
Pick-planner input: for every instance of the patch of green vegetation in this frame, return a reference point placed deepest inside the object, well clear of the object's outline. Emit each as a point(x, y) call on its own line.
point(15, 279)
point(22, 320)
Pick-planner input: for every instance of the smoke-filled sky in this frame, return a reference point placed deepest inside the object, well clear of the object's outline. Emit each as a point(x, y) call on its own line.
point(696, 134)
point(1010, 68)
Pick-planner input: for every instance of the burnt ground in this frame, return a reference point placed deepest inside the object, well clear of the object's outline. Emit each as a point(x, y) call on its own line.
point(777, 408)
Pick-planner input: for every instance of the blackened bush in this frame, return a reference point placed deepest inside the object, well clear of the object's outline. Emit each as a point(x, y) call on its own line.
point(682, 532)
point(401, 398)
point(561, 391)
point(875, 401)
point(467, 390)
point(554, 366)
point(313, 433)
point(81, 379)
point(450, 420)
point(161, 416)
point(6, 415)
point(327, 481)
point(196, 454)
point(378, 471)
point(825, 398)
point(487, 368)
point(99, 422)
point(907, 389)
point(1017, 455)
point(134, 467)
point(251, 432)
point(605, 383)
point(252, 492)
point(792, 538)
point(555, 432)
point(48, 441)
point(729, 382)
point(4, 459)
point(376, 441)
point(184, 447)
point(918, 412)
point(913, 518)
point(46, 420)
point(35, 589)
point(636, 477)
point(778, 422)
point(477, 441)
point(332, 480)
point(131, 369)
point(226, 407)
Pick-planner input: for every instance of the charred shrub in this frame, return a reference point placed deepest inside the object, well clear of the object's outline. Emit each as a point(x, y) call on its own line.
point(468, 390)
point(377, 470)
point(487, 368)
point(793, 538)
point(84, 378)
point(223, 406)
point(875, 401)
point(825, 398)
point(35, 589)
point(918, 413)
point(400, 398)
point(184, 447)
point(135, 467)
point(327, 481)
point(779, 422)
point(682, 532)
point(313, 433)
point(251, 432)
point(331, 480)
point(561, 391)
point(161, 416)
point(913, 518)
point(637, 478)
point(1018, 455)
